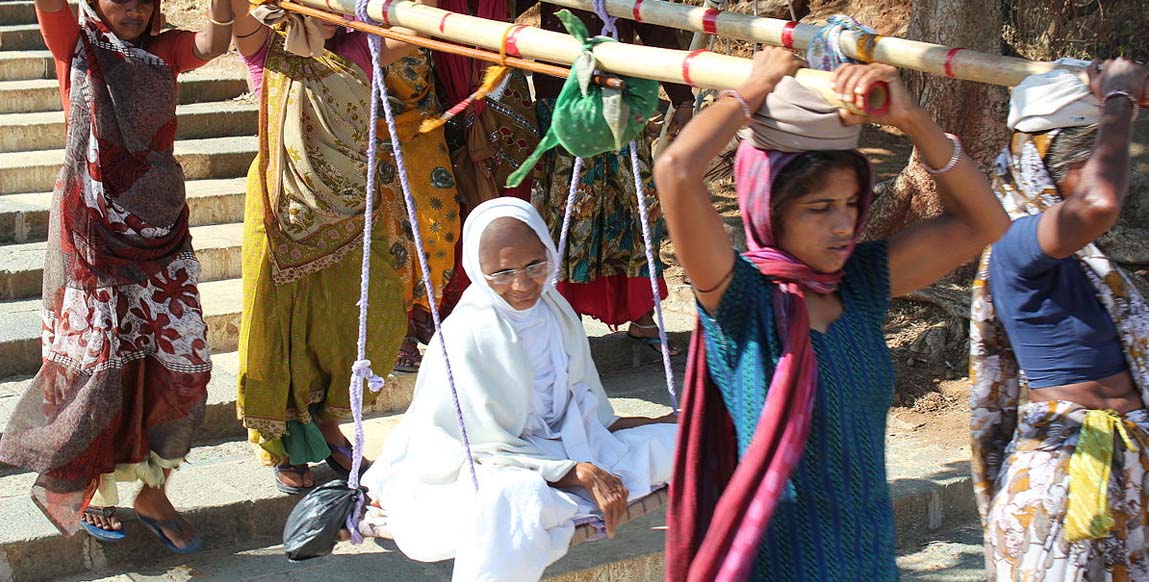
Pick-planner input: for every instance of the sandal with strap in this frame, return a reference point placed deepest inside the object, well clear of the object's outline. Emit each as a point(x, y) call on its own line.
point(345, 450)
point(300, 470)
point(654, 343)
point(409, 357)
point(178, 524)
point(104, 535)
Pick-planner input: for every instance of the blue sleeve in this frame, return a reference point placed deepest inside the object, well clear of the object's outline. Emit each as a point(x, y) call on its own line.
point(1019, 250)
point(746, 301)
point(868, 279)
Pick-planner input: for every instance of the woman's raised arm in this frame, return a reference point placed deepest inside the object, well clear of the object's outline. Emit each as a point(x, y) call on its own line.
point(700, 240)
point(1093, 201)
point(971, 216)
point(215, 38)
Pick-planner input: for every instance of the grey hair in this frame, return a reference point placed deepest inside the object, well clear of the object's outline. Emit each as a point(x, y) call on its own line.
point(1071, 147)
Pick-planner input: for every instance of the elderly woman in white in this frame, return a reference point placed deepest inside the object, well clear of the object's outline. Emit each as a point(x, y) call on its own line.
point(547, 445)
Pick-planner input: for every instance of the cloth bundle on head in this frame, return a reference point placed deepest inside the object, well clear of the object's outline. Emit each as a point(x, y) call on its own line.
point(719, 507)
point(304, 35)
point(590, 120)
point(796, 119)
point(825, 49)
point(1057, 99)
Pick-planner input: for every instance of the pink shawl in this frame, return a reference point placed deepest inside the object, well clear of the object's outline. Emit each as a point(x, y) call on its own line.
point(719, 507)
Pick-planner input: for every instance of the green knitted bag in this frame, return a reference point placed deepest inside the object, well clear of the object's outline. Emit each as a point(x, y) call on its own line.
point(589, 120)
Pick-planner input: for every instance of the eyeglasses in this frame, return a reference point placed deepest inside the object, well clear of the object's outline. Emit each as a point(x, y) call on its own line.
point(534, 271)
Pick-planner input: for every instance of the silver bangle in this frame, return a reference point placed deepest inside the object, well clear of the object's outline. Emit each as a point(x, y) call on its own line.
point(1122, 93)
point(218, 23)
point(953, 159)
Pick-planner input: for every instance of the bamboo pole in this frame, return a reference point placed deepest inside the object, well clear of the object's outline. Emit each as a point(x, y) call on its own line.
point(700, 38)
point(908, 54)
point(438, 45)
point(701, 69)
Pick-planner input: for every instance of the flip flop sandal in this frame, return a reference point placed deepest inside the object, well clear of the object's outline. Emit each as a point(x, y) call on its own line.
point(291, 489)
point(409, 357)
point(655, 344)
point(345, 450)
point(158, 527)
point(104, 535)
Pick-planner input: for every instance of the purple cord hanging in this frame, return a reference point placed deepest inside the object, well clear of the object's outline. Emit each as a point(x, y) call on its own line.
point(608, 28)
point(576, 172)
point(361, 369)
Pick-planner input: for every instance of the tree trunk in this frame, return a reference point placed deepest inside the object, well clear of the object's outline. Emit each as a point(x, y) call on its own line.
point(975, 112)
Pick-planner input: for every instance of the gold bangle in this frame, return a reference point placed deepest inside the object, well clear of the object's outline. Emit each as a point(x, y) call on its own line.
point(218, 23)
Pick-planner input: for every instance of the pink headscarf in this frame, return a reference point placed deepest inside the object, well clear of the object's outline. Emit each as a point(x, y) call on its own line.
point(719, 507)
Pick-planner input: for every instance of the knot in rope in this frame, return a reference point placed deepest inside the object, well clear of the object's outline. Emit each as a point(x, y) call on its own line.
point(608, 21)
point(362, 369)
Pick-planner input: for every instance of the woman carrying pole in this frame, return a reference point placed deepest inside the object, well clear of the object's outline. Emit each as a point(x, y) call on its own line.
point(303, 224)
point(790, 352)
point(122, 387)
point(1061, 479)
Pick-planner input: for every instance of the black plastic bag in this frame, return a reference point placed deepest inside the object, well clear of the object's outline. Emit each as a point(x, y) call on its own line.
point(313, 526)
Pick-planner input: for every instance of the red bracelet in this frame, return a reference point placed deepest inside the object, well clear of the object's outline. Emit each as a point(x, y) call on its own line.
point(741, 101)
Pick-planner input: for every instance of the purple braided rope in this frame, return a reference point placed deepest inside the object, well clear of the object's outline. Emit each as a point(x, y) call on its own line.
point(608, 28)
point(361, 369)
point(413, 217)
point(649, 243)
point(576, 172)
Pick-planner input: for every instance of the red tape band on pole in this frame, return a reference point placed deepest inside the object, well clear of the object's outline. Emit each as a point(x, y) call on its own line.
point(950, 62)
point(637, 10)
point(710, 21)
point(788, 34)
point(443, 22)
point(686, 65)
point(386, 7)
point(512, 47)
point(329, 6)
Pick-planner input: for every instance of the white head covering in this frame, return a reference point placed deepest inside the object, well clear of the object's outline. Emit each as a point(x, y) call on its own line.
point(1057, 99)
point(478, 221)
point(537, 327)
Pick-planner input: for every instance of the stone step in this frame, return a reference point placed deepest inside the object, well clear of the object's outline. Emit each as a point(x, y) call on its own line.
point(217, 246)
point(226, 493)
point(20, 37)
point(44, 94)
point(954, 554)
point(19, 12)
point(43, 130)
point(219, 421)
point(24, 217)
point(25, 65)
point(221, 157)
point(20, 336)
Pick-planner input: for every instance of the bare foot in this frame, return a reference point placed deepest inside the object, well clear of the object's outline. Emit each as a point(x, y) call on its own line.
point(102, 517)
point(303, 478)
point(153, 503)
